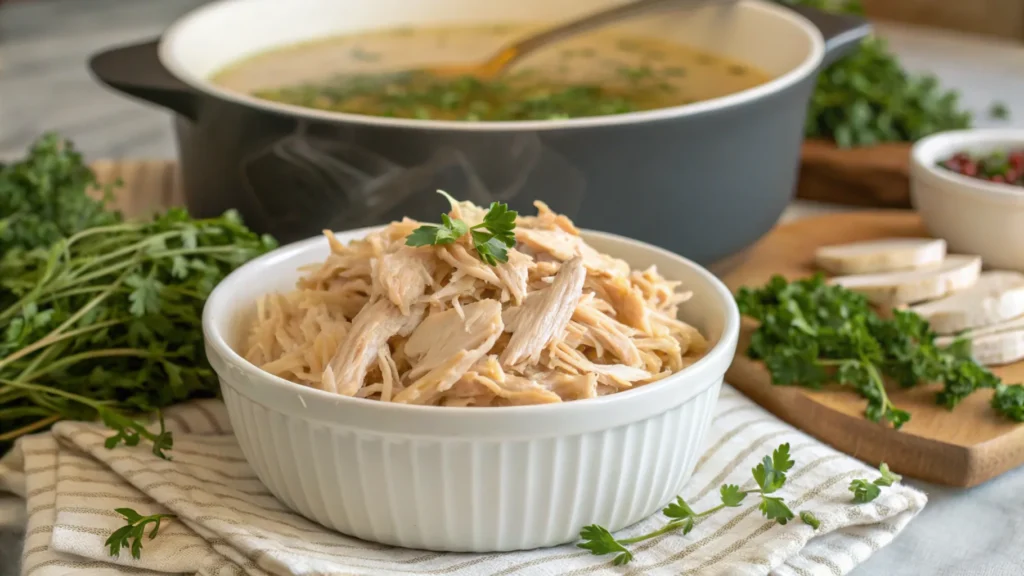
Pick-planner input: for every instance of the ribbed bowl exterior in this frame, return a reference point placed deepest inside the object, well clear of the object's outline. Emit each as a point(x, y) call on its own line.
point(457, 493)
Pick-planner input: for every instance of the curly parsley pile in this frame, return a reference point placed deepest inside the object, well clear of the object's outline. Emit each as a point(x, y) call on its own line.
point(867, 97)
point(812, 333)
point(99, 317)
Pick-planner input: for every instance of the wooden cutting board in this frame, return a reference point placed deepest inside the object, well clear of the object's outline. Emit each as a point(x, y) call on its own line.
point(146, 185)
point(871, 177)
point(963, 447)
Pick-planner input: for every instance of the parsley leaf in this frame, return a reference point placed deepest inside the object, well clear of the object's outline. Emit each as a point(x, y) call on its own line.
point(132, 534)
point(600, 541)
point(864, 491)
point(678, 509)
point(491, 238)
point(774, 508)
point(731, 495)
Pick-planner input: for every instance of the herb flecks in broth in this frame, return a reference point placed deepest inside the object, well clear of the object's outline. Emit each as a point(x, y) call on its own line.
point(426, 96)
point(598, 74)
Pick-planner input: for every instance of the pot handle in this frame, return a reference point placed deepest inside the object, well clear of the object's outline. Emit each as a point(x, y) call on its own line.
point(136, 70)
point(842, 32)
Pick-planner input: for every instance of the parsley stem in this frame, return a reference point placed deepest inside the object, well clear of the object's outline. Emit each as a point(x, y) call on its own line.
point(125, 227)
point(92, 354)
point(29, 428)
point(676, 524)
point(94, 404)
point(51, 339)
point(130, 249)
point(51, 265)
point(876, 377)
point(671, 526)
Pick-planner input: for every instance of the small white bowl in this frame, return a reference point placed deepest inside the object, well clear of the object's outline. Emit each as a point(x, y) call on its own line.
point(469, 479)
point(973, 216)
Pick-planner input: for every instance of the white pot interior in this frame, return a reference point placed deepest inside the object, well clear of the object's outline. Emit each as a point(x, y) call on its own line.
point(771, 38)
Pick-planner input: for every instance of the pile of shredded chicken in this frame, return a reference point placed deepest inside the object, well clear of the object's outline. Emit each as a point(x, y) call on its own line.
point(436, 325)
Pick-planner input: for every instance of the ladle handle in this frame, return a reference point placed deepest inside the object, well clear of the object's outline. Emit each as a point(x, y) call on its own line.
point(517, 50)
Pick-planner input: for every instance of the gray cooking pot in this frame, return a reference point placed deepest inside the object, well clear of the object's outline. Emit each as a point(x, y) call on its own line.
point(705, 180)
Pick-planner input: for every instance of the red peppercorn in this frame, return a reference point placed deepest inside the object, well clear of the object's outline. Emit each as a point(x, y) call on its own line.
point(969, 168)
point(998, 178)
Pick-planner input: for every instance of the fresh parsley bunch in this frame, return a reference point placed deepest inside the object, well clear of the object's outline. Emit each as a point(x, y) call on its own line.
point(868, 97)
point(101, 318)
point(43, 197)
point(812, 333)
point(492, 238)
point(769, 476)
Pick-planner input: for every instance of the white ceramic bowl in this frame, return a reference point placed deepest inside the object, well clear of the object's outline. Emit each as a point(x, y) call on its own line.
point(469, 479)
point(973, 216)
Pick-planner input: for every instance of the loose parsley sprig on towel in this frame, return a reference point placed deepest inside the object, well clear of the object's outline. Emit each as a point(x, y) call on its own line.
point(812, 333)
point(492, 238)
point(131, 535)
point(864, 491)
point(769, 475)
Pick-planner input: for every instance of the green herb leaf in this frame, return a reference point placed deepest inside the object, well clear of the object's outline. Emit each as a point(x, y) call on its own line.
point(731, 495)
point(492, 238)
point(864, 491)
point(810, 519)
point(1009, 401)
point(678, 509)
point(600, 541)
point(775, 508)
point(132, 534)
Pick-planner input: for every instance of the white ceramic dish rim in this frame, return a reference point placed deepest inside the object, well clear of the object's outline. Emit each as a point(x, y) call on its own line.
point(929, 150)
point(167, 56)
point(500, 420)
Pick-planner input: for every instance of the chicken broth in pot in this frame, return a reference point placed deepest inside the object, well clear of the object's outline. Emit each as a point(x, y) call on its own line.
point(382, 73)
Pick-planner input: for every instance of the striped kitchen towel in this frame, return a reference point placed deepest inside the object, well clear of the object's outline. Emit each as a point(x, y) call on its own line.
point(227, 523)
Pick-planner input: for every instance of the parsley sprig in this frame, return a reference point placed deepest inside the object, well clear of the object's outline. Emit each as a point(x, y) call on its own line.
point(492, 237)
point(865, 491)
point(769, 476)
point(131, 535)
point(812, 333)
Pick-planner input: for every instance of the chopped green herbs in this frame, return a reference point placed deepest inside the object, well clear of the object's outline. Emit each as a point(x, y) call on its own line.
point(867, 97)
point(1009, 401)
point(864, 491)
point(999, 111)
point(810, 519)
point(426, 96)
point(769, 475)
point(492, 238)
point(812, 333)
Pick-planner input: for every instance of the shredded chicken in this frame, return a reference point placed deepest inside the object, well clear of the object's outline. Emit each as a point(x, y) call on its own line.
point(559, 321)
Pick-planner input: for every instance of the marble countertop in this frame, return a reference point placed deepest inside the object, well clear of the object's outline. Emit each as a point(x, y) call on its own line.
point(44, 86)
